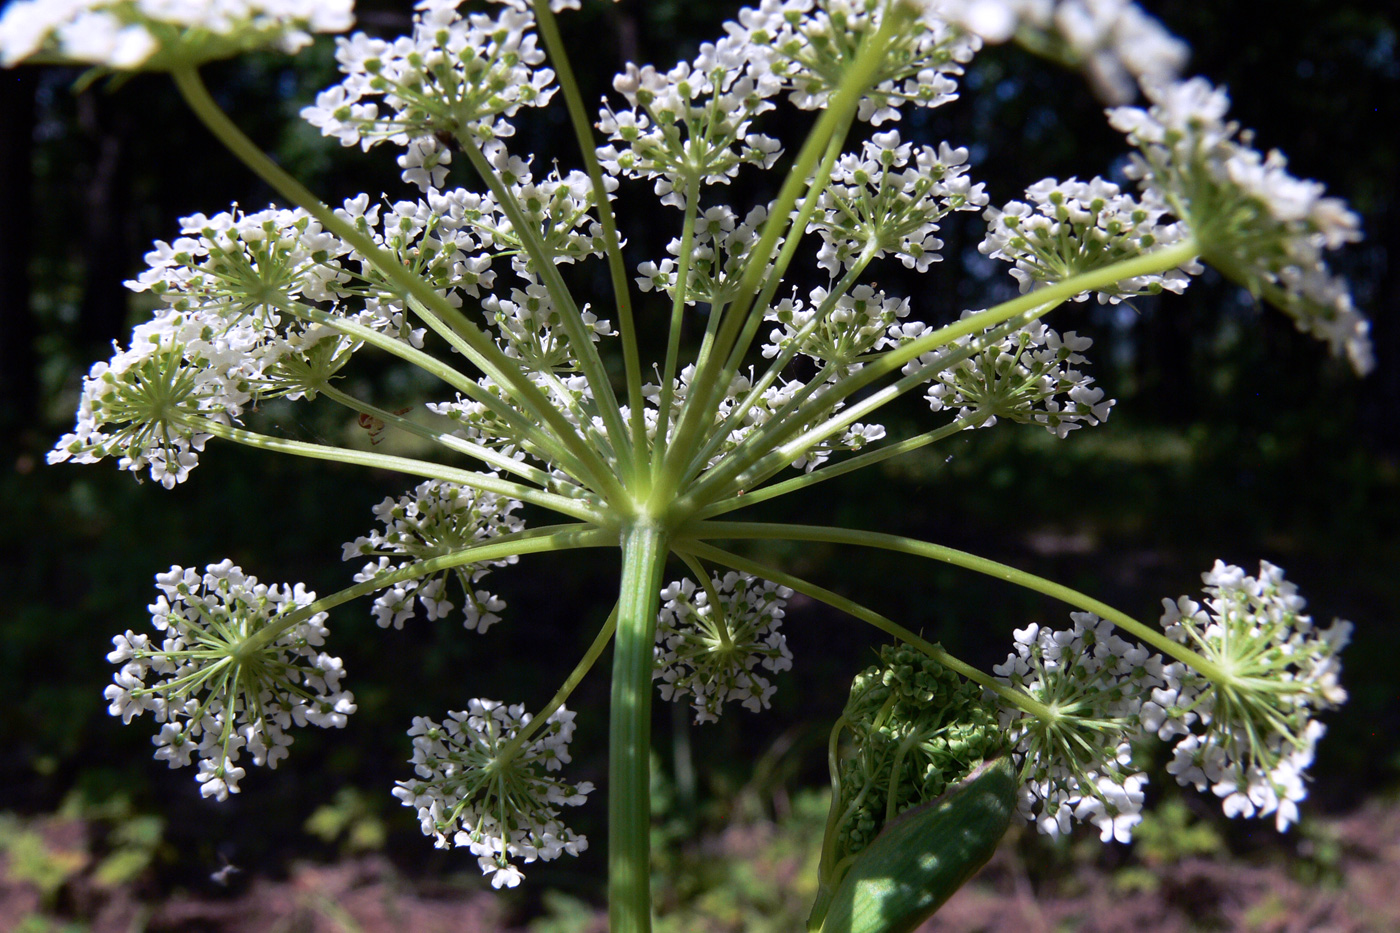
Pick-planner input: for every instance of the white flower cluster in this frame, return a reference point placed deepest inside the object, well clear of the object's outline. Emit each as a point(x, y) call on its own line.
point(436, 520)
point(720, 245)
point(450, 238)
point(238, 287)
point(690, 125)
point(807, 46)
point(1250, 737)
point(135, 406)
point(132, 34)
point(235, 263)
point(225, 674)
point(533, 332)
point(478, 788)
point(835, 327)
point(1257, 224)
point(1077, 764)
point(890, 199)
point(1029, 376)
point(1114, 42)
point(1072, 227)
point(461, 76)
point(708, 653)
point(1246, 730)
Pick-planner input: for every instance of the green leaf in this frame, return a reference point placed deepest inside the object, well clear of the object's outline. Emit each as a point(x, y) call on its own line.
point(922, 857)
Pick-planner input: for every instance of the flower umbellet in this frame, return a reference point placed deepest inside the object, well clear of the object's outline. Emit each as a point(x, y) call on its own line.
point(468, 284)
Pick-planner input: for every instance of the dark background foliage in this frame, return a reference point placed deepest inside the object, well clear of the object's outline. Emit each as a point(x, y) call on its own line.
point(1234, 437)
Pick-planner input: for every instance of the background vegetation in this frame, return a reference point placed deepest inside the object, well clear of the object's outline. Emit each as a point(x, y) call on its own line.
point(1233, 438)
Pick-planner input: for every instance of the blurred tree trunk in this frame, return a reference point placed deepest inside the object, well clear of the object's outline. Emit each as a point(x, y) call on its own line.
point(19, 394)
point(104, 124)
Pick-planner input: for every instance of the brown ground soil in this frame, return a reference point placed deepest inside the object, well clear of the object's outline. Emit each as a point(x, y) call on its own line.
point(1359, 892)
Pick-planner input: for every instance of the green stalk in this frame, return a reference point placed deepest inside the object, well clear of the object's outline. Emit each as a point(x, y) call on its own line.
point(629, 764)
point(739, 472)
point(673, 337)
point(839, 469)
point(589, 361)
point(617, 271)
point(529, 541)
point(947, 555)
point(780, 362)
point(486, 455)
point(1160, 260)
point(581, 669)
point(852, 608)
point(493, 484)
point(790, 244)
point(843, 103)
point(526, 431)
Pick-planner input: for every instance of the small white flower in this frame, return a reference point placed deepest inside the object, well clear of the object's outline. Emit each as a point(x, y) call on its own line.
point(1250, 734)
point(436, 519)
point(216, 683)
point(477, 788)
point(709, 653)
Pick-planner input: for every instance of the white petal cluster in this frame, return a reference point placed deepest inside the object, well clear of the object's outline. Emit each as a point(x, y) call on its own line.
point(889, 199)
point(132, 406)
point(1077, 762)
point(719, 253)
point(215, 351)
point(709, 653)
point(1250, 737)
point(1070, 227)
point(235, 263)
point(437, 519)
point(1259, 225)
point(214, 680)
point(457, 75)
point(692, 124)
point(475, 787)
point(133, 34)
point(1114, 42)
point(807, 46)
point(835, 327)
point(532, 330)
point(1029, 375)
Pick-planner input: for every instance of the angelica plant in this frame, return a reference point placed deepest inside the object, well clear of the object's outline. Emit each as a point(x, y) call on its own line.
point(463, 275)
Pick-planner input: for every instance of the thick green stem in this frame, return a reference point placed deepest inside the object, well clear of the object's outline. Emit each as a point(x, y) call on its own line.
point(644, 551)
